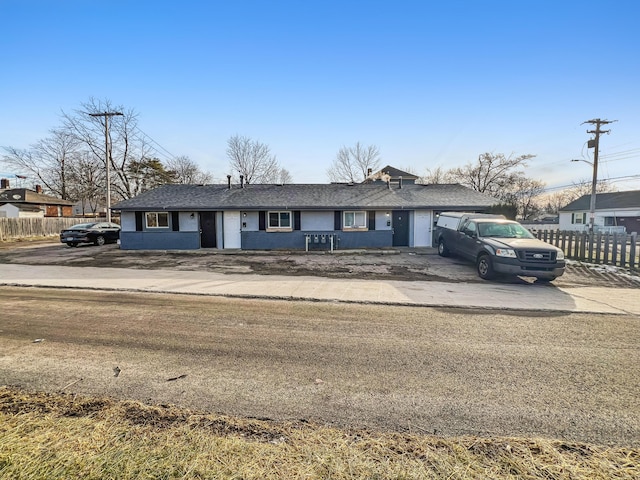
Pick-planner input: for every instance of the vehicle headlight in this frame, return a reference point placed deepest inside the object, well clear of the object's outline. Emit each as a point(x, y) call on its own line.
point(560, 255)
point(506, 252)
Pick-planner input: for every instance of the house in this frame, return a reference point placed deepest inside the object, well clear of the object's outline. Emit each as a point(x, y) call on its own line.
point(616, 211)
point(297, 216)
point(26, 203)
point(392, 175)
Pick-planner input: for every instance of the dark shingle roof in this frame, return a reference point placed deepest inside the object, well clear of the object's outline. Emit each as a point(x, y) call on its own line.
point(606, 201)
point(396, 173)
point(307, 197)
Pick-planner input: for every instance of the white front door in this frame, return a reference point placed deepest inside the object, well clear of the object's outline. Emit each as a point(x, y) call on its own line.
point(231, 228)
point(422, 228)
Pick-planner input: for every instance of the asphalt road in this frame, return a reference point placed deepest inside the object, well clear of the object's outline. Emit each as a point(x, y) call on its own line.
point(449, 372)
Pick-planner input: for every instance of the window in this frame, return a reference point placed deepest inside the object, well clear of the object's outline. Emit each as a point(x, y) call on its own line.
point(579, 217)
point(355, 220)
point(280, 220)
point(157, 220)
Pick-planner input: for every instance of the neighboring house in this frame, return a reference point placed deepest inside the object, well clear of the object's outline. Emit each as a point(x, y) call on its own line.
point(616, 211)
point(393, 175)
point(25, 203)
point(262, 217)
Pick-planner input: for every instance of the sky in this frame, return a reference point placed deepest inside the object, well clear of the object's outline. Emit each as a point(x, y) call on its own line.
point(430, 83)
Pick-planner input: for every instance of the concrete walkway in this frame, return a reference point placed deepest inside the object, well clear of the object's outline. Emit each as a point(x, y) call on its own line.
point(441, 294)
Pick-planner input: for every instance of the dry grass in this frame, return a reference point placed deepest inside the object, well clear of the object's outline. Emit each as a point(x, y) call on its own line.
point(57, 436)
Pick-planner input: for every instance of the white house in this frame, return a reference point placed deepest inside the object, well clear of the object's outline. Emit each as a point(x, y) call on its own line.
point(616, 211)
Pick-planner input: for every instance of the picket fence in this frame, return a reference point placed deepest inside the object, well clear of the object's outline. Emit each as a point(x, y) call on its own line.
point(616, 249)
point(15, 228)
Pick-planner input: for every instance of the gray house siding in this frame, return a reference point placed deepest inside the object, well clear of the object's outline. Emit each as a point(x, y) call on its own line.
point(164, 240)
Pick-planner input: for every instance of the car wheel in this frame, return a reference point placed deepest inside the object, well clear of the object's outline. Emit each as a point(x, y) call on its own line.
point(485, 267)
point(443, 251)
point(72, 244)
point(100, 240)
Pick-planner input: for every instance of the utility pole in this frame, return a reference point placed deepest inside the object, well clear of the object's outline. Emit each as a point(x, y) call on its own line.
point(107, 154)
point(595, 143)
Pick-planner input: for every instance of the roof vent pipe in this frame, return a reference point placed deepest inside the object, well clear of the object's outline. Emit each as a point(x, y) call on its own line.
point(241, 181)
point(400, 182)
point(229, 181)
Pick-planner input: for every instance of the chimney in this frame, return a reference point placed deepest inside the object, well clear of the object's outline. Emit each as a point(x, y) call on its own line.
point(38, 188)
point(4, 183)
point(241, 181)
point(229, 181)
point(369, 172)
point(400, 181)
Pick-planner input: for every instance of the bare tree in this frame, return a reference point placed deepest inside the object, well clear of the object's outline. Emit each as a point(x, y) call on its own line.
point(186, 171)
point(88, 178)
point(49, 160)
point(353, 163)
point(284, 176)
point(493, 173)
point(526, 194)
point(557, 200)
point(125, 140)
point(252, 159)
point(435, 176)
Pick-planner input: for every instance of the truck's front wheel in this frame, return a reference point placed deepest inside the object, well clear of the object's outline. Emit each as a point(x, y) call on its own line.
point(485, 267)
point(443, 251)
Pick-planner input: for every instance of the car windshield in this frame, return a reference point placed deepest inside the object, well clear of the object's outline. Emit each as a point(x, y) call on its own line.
point(503, 230)
point(82, 226)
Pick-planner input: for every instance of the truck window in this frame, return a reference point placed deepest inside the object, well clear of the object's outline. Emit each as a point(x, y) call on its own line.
point(470, 229)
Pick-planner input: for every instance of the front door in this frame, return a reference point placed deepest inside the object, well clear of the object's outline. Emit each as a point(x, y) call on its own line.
point(400, 228)
point(208, 229)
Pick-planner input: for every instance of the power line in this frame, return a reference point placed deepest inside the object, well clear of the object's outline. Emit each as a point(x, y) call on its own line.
point(171, 156)
point(610, 179)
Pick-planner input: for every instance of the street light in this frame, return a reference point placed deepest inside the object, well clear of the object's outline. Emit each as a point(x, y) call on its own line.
point(592, 203)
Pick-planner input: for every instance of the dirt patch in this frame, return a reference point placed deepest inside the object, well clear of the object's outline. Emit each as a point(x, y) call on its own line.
point(403, 369)
point(397, 264)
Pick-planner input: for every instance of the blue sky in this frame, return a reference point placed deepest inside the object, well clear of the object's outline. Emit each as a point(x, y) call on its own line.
point(430, 83)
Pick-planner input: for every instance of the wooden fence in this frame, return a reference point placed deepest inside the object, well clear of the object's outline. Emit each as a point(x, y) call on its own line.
point(14, 228)
point(618, 249)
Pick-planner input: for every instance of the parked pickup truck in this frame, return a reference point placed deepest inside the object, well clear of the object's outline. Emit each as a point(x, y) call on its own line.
point(497, 245)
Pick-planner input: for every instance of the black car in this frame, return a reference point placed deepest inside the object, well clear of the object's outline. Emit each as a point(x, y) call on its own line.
point(97, 233)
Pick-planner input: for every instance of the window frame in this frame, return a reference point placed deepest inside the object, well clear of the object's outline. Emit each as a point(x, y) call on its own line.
point(360, 227)
point(279, 227)
point(579, 218)
point(157, 215)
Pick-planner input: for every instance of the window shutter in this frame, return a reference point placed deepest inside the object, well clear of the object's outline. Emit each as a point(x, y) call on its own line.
point(138, 221)
point(337, 220)
point(372, 220)
point(175, 221)
point(262, 220)
point(296, 220)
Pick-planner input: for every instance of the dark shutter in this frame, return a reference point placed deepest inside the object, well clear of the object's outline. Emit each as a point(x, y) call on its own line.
point(372, 220)
point(296, 220)
point(175, 221)
point(337, 220)
point(138, 221)
point(262, 220)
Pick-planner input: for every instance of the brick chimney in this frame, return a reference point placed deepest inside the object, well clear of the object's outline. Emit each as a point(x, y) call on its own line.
point(4, 183)
point(38, 188)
